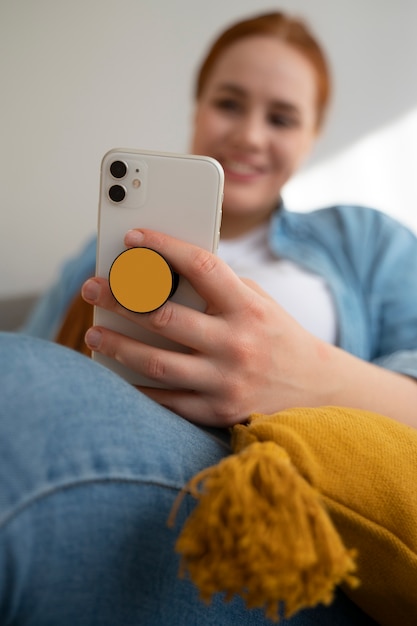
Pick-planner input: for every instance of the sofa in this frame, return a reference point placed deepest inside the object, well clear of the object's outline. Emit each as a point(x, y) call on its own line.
point(14, 310)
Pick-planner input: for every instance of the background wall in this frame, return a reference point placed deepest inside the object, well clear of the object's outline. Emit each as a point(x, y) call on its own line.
point(81, 77)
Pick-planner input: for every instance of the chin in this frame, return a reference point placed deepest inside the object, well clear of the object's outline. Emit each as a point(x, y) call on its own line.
point(240, 204)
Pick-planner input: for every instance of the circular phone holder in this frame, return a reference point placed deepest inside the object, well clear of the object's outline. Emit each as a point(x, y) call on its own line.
point(141, 280)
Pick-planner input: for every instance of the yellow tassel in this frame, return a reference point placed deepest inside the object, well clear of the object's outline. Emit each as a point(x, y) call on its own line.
point(260, 531)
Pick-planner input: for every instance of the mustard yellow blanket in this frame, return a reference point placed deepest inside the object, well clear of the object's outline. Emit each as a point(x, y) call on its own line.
point(310, 499)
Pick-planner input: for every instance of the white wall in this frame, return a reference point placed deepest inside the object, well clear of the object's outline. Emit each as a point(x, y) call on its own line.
point(80, 77)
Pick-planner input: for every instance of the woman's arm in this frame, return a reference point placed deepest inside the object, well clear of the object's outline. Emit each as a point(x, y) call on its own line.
point(247, 354)
point(355, 383)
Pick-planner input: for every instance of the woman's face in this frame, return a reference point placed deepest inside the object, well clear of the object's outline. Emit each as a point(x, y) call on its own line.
point(257, 116)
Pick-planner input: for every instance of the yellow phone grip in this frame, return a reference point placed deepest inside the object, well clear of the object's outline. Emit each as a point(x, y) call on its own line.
point(141, 280)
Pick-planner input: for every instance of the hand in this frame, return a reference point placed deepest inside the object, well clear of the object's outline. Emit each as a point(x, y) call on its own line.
point(247, 354)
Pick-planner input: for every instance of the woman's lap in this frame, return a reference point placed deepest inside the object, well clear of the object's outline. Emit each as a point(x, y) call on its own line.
point(89, 470)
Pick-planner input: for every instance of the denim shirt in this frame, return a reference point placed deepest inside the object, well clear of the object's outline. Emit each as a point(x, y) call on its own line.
point(368, 260)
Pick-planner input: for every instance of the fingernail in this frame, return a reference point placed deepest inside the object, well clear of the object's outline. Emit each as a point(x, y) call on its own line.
point(134, 238)
point(91, 291)
point(93, 338)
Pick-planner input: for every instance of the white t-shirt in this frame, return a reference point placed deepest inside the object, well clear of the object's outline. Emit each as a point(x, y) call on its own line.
point(304, 295)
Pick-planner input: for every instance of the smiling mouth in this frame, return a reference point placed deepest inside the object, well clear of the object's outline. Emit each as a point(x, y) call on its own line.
point(241, 169)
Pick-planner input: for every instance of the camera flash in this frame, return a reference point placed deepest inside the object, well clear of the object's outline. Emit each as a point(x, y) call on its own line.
point(136, 183)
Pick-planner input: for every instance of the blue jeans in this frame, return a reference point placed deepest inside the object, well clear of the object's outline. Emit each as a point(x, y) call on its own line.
point(89, 470)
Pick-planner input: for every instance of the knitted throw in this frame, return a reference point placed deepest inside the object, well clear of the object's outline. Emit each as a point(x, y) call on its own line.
point(310, 499)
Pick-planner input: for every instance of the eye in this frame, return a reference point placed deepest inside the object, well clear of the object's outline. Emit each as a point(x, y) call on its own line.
point(282, 120)
point(228, 104)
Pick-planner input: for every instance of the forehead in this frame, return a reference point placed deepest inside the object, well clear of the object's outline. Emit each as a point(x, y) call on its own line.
point(268, 66)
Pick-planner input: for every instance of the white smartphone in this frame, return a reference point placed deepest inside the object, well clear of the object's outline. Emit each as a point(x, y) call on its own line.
point(176, 194)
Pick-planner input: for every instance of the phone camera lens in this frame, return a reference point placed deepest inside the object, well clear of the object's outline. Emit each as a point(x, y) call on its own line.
point(118, 169)
point(117, 193)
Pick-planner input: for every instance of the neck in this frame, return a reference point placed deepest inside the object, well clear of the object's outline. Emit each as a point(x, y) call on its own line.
point(235, 226)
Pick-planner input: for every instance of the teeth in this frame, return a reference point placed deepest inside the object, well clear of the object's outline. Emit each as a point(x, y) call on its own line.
point(240, 168)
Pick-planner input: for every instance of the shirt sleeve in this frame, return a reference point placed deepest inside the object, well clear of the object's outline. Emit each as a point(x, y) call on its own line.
point(402, 362)
point(393, 297)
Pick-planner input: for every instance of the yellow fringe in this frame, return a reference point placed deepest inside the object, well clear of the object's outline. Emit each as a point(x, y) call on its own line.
point(260, 531)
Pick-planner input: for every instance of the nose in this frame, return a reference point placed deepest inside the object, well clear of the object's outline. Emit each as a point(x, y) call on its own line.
point(251, 131)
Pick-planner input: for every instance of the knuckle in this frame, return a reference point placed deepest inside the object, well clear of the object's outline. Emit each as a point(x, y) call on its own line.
point(239, 349)
point(155, 240)
point(155, 367)
point(229, 400)
point(227, 412)
point(115, 349)
point(256, 309)
point(203, 262)
point(162, 317)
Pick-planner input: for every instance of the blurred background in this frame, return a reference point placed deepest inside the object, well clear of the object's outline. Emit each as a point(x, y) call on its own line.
point(81, 77)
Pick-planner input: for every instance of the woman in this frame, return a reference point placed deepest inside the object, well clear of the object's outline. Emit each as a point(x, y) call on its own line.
point(321, 318)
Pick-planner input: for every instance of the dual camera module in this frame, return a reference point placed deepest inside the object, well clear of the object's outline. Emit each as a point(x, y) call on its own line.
point(118, 169)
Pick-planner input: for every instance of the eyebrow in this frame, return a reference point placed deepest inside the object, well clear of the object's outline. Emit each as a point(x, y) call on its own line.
point(282, 105)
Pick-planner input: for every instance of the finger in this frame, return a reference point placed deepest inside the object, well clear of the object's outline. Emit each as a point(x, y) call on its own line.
point(175, 322)
point(255, 287)
point(166, 367)
point(195, 407)
point(96, 291)
point(213, 279)
point(189, 405)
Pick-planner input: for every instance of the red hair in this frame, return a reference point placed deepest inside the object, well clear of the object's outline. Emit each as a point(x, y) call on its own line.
point(292, 31)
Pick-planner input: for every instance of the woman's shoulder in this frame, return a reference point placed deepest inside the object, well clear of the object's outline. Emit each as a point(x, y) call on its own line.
point(347, 220)
point(340, 213)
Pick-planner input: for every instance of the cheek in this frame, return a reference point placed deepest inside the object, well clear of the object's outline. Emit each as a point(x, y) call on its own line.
point(201, 132)
point(208, 128)
point(295, 149)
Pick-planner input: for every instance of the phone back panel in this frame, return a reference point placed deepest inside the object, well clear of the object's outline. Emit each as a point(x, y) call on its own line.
point(179, 195)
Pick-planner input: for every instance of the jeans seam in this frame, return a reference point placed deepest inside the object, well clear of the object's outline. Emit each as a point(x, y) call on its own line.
point(46, 493)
